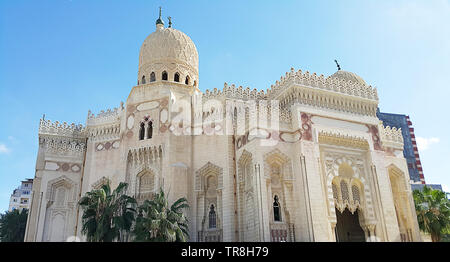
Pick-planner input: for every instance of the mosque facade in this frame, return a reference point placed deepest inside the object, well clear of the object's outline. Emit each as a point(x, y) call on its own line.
point(306, 160)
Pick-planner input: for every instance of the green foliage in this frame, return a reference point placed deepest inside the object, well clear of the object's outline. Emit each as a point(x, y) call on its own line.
point(110, 216)
point(157, 222)
point(13, 225)
point(107, 216)
point(433, 212)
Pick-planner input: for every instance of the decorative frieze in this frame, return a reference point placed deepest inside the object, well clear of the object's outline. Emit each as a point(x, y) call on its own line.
point(105, 146)
point(47, 127)
point(146, 156)
point(62, 146)
point(104, 132)
point(343, 140)
point(62, 166)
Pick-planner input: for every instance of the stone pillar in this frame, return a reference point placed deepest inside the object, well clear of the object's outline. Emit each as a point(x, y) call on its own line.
point(333, 230)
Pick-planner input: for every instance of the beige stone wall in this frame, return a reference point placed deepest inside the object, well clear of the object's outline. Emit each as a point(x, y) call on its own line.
point(239, 175)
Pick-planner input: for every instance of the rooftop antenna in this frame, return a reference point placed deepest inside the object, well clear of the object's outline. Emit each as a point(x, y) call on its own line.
point(338, 66)
point(170, 21)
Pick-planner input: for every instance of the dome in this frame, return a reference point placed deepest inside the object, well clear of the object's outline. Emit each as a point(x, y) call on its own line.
point(169, 50)
point(349, 76)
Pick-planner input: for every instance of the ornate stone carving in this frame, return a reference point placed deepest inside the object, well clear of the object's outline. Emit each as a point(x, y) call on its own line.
point(208, 169)
point(391, 137)
point(62, 146)
point(343, 140)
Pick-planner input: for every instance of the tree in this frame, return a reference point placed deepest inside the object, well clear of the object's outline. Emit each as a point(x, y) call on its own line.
point(157, 222)
point(107, 216)
point(12, 225)
point(433, 212)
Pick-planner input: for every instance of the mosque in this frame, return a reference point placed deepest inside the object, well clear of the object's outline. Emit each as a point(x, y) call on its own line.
point(306, 160)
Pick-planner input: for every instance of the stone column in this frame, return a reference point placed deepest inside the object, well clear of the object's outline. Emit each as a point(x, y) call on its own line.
point(333, 230)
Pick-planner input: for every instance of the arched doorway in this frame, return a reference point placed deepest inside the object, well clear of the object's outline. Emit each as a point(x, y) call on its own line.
point(348, 228)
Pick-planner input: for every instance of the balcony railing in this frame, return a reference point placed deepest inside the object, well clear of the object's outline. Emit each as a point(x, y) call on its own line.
point(210, 235)
point(282, 232)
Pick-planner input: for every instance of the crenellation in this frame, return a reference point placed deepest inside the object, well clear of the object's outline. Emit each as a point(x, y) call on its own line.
point(104, 117)
point(47, 127)
point(391, 136)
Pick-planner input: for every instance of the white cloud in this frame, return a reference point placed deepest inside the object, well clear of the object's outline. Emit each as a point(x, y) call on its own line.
point(4, 149)
point(425, 143)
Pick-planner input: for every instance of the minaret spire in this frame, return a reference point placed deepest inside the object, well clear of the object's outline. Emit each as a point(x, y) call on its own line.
point(159, 21)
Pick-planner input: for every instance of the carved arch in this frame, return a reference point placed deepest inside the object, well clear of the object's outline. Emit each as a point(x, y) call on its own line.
point(99, 183)
point(207, 170)
point(278, 158)
point(62, 181)
point(333, 162)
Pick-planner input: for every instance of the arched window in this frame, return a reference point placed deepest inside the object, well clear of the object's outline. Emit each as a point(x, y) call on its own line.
point(152, 77)
point(143, 80)
point(212, 217)
point(150, 129)
point(276, 209)
point(187, 80)
point(176, 77)
point(344, 191)
point(146, 184)
point(355, 194)
point(195, 83)
point(142, 132)
point(164, 75)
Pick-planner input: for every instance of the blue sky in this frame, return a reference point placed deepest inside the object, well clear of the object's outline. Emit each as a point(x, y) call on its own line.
point(62, 58)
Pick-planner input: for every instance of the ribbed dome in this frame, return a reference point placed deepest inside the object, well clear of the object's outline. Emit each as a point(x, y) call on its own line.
point(168, 46)
point(349, 76)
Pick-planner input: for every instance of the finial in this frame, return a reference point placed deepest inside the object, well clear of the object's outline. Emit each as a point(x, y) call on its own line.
point(338, 66)
point(170, 21)
point(159, 21)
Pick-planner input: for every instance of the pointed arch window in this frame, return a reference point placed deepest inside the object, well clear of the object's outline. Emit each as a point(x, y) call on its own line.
point(152, 77)
point(276, 209)
point(164, 76)
point(143, 80)
point(176, 77)
point(212, 217)
point(142, 131)
point(187, 80)
point(150, 130)
point(344, 191)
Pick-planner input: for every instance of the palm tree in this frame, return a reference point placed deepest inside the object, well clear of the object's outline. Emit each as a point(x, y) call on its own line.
point(107, 216)
point(433, 211)
point(157, 222)
point(12, 225)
